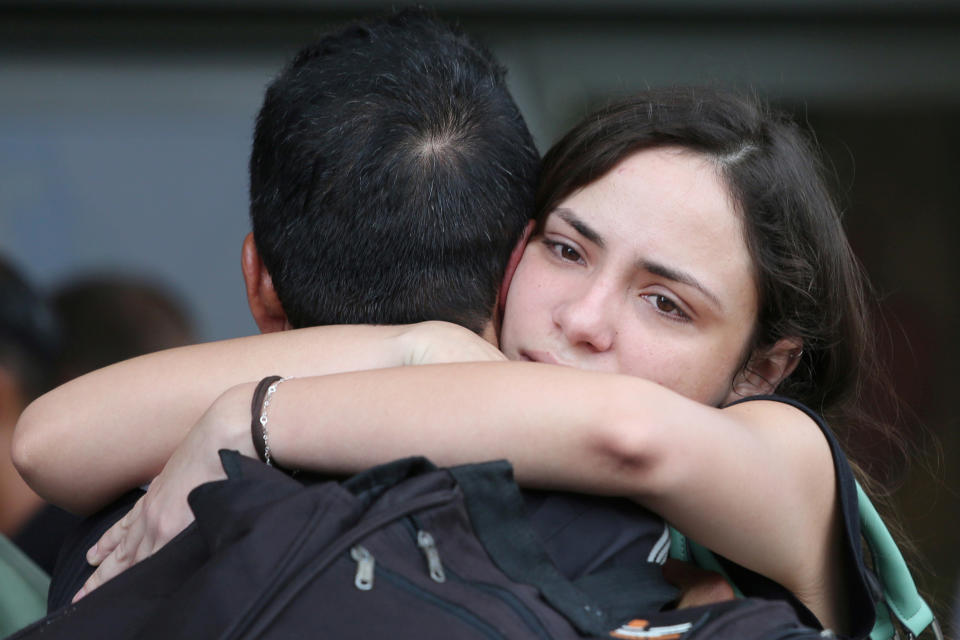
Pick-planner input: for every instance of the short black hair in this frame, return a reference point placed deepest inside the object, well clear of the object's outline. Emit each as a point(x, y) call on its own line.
point(391, 175)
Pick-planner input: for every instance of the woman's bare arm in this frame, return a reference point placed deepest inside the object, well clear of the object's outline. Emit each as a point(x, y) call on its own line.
point(91, 439)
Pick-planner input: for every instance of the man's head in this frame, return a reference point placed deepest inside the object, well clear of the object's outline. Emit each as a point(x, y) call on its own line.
point(391, 176)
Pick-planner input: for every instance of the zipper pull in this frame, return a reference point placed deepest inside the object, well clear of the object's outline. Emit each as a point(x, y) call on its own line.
point(429, 547)
point(365, 562)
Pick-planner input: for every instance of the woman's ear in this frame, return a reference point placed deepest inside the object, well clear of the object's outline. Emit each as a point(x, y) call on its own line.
point(264, 304)
point(766, 369)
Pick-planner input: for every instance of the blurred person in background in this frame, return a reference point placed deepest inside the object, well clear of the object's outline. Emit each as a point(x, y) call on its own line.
point(106, 319)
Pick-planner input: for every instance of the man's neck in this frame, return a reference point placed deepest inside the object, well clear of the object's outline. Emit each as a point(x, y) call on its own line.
point(489, 334)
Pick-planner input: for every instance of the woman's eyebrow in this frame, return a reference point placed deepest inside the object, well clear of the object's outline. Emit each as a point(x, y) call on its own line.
point(676, 275)
point(581, 227)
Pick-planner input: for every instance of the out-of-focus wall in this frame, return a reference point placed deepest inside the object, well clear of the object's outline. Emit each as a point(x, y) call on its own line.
point(125, 130)
point(112, 164)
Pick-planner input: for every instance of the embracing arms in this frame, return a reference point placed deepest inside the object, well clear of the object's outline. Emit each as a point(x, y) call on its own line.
point(753, 482)
point(91, 439)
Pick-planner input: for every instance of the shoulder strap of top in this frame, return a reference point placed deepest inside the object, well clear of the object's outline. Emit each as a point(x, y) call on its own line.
point(899, 590)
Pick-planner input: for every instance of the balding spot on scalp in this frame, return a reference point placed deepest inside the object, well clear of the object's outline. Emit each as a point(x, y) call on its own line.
point(440, 143)
point(434, 143)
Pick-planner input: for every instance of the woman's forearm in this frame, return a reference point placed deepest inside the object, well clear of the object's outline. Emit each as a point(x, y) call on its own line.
point(541, 417)
point(453, 414)
point(85, 442)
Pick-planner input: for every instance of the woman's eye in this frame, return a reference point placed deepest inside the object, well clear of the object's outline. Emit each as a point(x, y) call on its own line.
point(666, 306)
point(569, 253)
point(563, 251)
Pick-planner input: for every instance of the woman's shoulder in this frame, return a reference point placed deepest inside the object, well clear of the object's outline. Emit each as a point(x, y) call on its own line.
point(781, 410)
point(790, 428)
point(776, 403)
point(802, 432)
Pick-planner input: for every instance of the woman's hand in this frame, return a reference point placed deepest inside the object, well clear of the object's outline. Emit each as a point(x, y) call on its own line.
point(163, 512)
point(437, 342)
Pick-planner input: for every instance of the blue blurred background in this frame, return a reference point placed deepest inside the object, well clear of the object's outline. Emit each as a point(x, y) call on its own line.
point(125, 130)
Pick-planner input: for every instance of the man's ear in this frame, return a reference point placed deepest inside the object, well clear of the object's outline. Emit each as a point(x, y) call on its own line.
point(264, 304)
point(766, 369)
point(512, 263)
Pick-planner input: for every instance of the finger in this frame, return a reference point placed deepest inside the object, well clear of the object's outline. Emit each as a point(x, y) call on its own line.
point(129, 548)
point(104, 572)
point(94, 581)
point(113, 536)
point(121, 558)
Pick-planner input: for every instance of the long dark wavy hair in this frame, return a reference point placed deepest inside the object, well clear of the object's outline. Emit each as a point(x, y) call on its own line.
point(809, 283)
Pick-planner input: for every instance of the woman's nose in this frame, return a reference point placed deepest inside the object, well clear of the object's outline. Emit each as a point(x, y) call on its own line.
point(586, 318)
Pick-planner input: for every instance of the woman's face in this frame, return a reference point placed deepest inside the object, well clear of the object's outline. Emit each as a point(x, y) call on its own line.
point(643, 272)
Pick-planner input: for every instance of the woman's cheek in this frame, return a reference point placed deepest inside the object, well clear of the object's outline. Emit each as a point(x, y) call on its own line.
point(528, 295)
